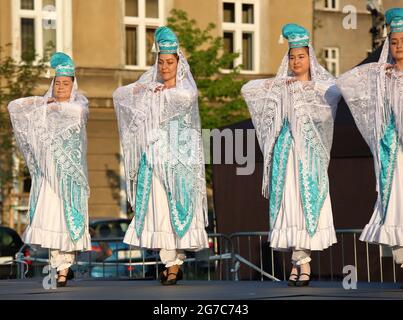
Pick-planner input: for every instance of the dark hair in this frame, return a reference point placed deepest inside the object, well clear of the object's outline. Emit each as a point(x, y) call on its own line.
point(174, 54)
point(390, 35)
point(72, 78)
point(307, 49)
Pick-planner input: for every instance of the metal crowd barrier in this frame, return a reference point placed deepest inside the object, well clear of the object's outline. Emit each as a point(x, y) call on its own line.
point(260, 261)
point(208, 264)
point(239, 256)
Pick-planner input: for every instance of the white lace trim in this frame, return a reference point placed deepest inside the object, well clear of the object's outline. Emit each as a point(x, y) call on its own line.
point(301, 240)
point(56, 240)
point(302, 261)
point(381, 234)
point(194, 239)
point(177, 262)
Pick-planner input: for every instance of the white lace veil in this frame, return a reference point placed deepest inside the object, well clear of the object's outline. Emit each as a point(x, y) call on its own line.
point(75, 95)
point(53, 141)
point(144, 116)
point(322, 82)
point(307, 110)
point(373, 94)
point(386, 56)
point(317, 71)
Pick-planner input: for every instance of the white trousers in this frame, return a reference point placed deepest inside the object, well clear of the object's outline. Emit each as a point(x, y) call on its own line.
point(61, 260)
point(172, 257)
point(398, 255)
point(300, 257)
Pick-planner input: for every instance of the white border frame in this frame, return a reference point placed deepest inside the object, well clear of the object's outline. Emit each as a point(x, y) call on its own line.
point(331, 9)
point(332, 60)
point(64, 26)
point(141, 22)
point(238, 28)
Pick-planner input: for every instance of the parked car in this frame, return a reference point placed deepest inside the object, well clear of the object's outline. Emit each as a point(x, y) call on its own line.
point(202, 264)
point(109, 256)
point(36, 259)
point(113, 254)
point(10, 243)
point(109, 227)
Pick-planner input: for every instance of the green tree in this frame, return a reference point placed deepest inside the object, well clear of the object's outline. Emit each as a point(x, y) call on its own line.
point(17, 79)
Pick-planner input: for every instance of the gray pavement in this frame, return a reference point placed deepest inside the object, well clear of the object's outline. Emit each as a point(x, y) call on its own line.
point(194, 290)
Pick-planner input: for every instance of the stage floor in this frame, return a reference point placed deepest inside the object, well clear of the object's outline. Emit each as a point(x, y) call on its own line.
point(195, 290)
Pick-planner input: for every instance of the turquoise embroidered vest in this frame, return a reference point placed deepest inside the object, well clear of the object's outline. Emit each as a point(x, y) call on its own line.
point(388, 155)
point(281, 154)
point(313, 187)
point(181, 210)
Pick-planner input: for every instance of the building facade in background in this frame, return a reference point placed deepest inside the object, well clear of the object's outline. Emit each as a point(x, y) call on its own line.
point(340, 49)
point(111, 40)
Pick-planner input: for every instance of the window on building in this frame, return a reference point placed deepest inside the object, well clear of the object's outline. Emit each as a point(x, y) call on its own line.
point(240, 30)
point(229, 45)
point(142, 18)
point(247, 13)
point(331, 4)
point(150, 56)
point(27, 5)
point(247, 51)
point(41, 26)
point(152, 8)
point(131, 45)
point(131, 8)
point(27, 38)
point(331, 56)
point(229, 12)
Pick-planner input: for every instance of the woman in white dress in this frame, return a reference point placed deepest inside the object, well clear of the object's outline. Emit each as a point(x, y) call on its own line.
point(160, 134)
point(293, 114)
point(50, 132)
point(374, 94)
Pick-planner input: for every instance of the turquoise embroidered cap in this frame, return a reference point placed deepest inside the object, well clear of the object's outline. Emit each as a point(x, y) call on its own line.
point(296, 35)
point(63, 65)
point(166, 41)
point(394, 19)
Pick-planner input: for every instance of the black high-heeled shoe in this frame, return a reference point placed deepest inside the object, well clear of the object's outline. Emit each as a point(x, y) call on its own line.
point(303, 283)
point(70, 274)
point(180, 275)
point(162, 276)
point(61, 284)
point(293, 283)
point(173, 281)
